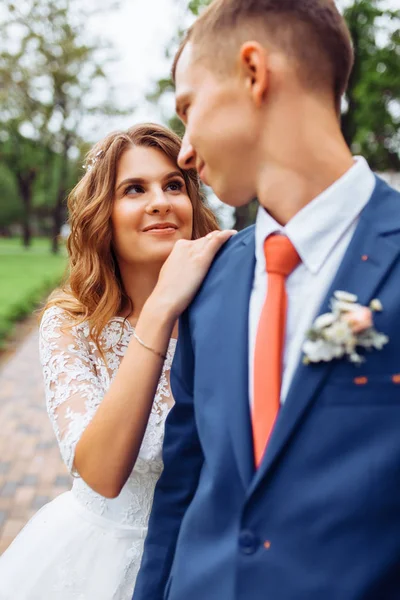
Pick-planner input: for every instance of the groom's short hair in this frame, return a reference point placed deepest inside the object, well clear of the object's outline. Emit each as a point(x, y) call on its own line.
point(312, 32)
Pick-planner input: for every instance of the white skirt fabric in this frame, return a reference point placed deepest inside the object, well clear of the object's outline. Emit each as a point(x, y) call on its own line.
point(66, 552)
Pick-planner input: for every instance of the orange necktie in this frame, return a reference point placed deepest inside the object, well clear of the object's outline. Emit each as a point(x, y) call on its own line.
point(281, 259)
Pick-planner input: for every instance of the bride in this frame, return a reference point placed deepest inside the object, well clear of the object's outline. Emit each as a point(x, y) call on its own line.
point(107, 341)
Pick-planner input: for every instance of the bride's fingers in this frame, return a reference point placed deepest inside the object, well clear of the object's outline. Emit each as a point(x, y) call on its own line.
point(202, 242)
point(205, 247)
point(216, 239)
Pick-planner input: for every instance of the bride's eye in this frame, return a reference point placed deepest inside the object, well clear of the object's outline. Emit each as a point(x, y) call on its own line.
point(175, 186)
point(133, 189)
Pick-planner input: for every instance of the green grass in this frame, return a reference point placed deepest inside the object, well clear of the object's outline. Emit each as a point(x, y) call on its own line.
point(26, 277)
point(14, 246)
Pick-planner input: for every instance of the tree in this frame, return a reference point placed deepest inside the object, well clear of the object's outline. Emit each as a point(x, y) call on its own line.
point(53, 75)
point(370, 123)
point(19, 156)
point(10, 207)
point(18, 107)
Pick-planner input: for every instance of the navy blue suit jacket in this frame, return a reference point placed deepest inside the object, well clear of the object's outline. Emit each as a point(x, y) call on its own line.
point(320, 519)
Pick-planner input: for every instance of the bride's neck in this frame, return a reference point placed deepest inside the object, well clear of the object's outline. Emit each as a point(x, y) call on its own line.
point(138, 282)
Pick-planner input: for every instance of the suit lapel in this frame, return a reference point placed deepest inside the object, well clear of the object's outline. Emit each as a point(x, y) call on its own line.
point(232, 359)
point(361, 277)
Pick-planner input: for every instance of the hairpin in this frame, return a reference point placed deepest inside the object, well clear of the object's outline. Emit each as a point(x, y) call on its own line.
point(92, 161)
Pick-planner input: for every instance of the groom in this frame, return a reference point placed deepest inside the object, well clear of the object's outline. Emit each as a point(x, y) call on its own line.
point(281, 479)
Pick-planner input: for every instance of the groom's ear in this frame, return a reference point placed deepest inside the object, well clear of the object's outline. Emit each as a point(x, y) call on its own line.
point(254, 68)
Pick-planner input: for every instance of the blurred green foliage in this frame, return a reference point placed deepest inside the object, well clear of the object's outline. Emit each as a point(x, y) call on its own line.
point(26, 276)
point(49, 74)
point(371, 121)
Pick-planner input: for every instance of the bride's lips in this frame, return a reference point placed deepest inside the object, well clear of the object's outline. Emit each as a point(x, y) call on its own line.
point(166, 231)
point(161, 229)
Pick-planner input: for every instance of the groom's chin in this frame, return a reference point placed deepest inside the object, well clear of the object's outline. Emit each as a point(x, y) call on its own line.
point(231, 192)
point(235, 199)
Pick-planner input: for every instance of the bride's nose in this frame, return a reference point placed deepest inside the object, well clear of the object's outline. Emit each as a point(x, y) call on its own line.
point(159, 204)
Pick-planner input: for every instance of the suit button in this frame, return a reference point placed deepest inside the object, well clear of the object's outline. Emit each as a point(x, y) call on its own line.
point(248, 542)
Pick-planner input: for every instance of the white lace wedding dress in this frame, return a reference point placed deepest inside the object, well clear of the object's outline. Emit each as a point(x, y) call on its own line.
point(82, 546)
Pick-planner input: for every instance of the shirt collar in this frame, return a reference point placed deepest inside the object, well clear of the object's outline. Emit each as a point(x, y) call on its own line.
point(318, 227)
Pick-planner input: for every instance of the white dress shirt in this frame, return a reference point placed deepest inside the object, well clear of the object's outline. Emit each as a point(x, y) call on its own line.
point(321, 233)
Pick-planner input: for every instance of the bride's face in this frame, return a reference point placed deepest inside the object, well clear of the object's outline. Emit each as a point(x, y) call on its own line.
point(152, 209)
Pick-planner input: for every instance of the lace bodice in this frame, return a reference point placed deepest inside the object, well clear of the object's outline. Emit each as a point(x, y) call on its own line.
point(76, 379)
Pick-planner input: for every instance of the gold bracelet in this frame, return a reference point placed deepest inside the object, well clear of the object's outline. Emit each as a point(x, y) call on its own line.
point(141, 342)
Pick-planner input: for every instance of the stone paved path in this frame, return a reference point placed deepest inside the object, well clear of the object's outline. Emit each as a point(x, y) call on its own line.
point(31, 470)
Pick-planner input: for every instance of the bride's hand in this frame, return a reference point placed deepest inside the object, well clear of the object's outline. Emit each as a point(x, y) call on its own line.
point(184, 270)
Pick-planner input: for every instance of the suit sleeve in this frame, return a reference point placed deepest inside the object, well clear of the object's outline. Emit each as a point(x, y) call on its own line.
point(183, 459)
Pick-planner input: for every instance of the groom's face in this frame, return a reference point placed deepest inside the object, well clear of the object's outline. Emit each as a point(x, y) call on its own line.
point(222, 128)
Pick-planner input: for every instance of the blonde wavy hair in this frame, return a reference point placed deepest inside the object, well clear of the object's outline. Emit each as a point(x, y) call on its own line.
point(93, 290)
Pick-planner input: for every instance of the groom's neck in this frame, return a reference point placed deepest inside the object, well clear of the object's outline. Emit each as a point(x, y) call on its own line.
point(303, 154)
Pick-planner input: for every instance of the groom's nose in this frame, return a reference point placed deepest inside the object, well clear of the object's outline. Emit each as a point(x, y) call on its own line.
point(187, 155)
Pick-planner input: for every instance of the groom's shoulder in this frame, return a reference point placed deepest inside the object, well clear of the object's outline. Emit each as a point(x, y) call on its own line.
point(243, 237)
point(228, 259)
point(237, 243)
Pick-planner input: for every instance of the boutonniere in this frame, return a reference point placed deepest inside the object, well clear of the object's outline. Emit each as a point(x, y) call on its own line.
point(340, 332)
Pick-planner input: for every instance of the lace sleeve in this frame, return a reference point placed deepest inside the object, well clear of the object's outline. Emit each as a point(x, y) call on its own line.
point(73, 390)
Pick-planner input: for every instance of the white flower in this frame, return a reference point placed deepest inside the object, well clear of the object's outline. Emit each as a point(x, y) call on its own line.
point(340, 332)
point(356, 358)
point(342, 306)
point(379, 340)
point(376, 305)
point(321, 351)
point(345, 296)
point(324, 320)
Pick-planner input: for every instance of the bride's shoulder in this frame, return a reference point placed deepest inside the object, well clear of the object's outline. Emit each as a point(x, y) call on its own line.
point(56, 315)
point(55, 312)
point(58, 322)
